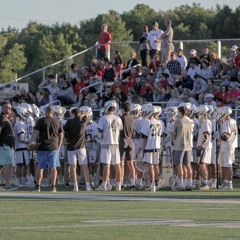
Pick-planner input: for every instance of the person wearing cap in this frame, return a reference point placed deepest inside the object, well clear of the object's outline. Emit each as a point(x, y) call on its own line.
point(193, 57)
point(233, 51)
point(181, 58)
point(154, 40)
point(49, 131)
point(104, 40)
point(167, 44)
point(209, 100)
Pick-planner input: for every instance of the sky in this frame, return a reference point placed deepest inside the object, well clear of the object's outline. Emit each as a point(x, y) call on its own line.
point(17, 13)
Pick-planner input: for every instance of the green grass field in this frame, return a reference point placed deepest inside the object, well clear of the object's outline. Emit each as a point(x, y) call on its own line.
point(124, 215)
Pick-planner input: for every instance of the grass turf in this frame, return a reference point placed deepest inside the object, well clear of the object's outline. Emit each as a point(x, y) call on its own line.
point(164, 215)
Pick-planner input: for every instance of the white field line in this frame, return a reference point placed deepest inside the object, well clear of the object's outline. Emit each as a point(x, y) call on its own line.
point(116, 198)
point(119, 222)
point(115, 211)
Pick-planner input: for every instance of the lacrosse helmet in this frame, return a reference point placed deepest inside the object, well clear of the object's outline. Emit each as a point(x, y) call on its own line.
point(28, 107)
point(210, 109)
point(21, 111)
point(145, 109)
point(87, 110)
point(225, 111)
point(59, 111)
point(187, 105)
point(171, 112)
point(135, 109)
point(193, 110)
point(35, 110)
point(111, 103)
point(154, 110)
point(202, 109)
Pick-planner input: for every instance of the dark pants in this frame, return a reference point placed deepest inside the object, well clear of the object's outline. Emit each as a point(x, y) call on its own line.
point(152, 52)
point(101, 53)
point(143, 55)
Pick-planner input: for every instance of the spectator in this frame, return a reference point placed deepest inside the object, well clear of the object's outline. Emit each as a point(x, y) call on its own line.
point(164, 81)
point(104, 41)
point(96, 79)
point(163, 69)
point(174, 66)
point(215, 63)
point(211, 87)
point(150, 78)
point(182, 59)
point(74, 73)
point(144, 46)
point(158, 92)
point(130, 63)
point(185, 81)
point(122, 85)
point(167, 94)
point(109, 73)
point(233, 51)
point(187, 99)
point(193, 69)
point(205, 56)
point(146, 91)
point(47, 82)
point(167, 45)
point(50, 133)
point(193, 57)
point(79, 85)
point(132, 78)
point(53, 88)
point(47, 96)
point(231, 70)
point(154, 40)
point(144, 72)
point(40, 100)
point(138, 85)
point(120, 97)
point(209, 100)
point(91, 100)
point(199, 88)
point(232, 95)
point(108, 95)
point(117, 63)
point(94, 68)
point(154, 64)
point(205, 71)
point(85, 75)
point(7, 142)
point(66, 94)
point(174, 101)
point(237, 58)
point(62, 79)
point(223, 93)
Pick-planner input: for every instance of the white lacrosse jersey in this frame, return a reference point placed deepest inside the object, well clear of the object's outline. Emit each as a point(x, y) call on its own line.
point(91, 133)
point(111, 125)
point(153, 130)
point(204, 127)
point(30, 124)
point(20, 128)
point(229, 127)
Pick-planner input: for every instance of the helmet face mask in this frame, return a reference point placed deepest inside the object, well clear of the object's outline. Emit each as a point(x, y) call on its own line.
point(171, 112)
point(225, 111)
point(87, 110)
point(135, 110)
point(59, 111)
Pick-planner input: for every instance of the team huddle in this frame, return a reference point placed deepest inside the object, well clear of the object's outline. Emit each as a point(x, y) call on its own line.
point(127, 147)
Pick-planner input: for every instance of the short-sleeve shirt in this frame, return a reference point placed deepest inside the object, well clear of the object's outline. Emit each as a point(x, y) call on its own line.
point(104, 37)
point(75, 131)
point(205, 127)
point(152, 129)
point(183, 129)
point(49, 129)
point(6, 132)
point(20, 128)
point(91, 133)
point(111, 126)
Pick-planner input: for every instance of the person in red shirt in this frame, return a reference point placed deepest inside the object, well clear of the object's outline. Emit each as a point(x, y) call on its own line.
point(232, 95)
point(155, 63)
point(79, 85)
point(163, 81)
point(146, 90)
point(123, 86)
point(104, 40)
point(132, 77)
point(237, 58)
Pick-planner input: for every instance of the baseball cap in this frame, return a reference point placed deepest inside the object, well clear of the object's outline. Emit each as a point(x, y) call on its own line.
point(209, 95)
point(193, 51)
point(234, 48)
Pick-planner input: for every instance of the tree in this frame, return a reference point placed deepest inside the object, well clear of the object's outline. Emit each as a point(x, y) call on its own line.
point(13, 63)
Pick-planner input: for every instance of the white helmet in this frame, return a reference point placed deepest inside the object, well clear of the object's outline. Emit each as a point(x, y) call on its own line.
point(154, 109)
point(171, 112)
point(193, 110)
point(59, 111)
point(187, 105)
point(35, 110)
point(27, 106)
point(217, 113)
point(111, 103)
point(21, 111)
point(87, 110)
point(225, 111)
point(210, 109)
point(145, 109)
point(202, 109)
point(135, 109)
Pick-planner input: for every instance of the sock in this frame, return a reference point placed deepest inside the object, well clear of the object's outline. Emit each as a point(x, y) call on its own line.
point(88, 184)
point(75, 186)
point(104, 184)
point(132, 181)
point(189, 182)
point(139, 181)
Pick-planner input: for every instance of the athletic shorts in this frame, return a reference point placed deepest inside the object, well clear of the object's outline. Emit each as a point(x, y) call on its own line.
point(127, 153)
point(182, 158)
point(79, 155)
point(226, 159)
point(206, 157)
point(22, 157)
point(92, 156)
point(6, 155)
point(48, 159)
point(110, 155)
point(151, 158)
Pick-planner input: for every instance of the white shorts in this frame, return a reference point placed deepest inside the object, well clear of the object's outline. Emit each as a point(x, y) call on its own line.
point(22, 157)
point(79, 155)
point(151, 158)
point(62, 152)
point(92, 156)
point(226, 159)
point(110, 156)
point(206, 156)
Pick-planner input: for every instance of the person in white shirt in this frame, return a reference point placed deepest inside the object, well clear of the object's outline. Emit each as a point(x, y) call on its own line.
point(181, 58)
point(193, 69)
point(151, 133)
point(109, 128)
point(154, 39)
point(229, 141)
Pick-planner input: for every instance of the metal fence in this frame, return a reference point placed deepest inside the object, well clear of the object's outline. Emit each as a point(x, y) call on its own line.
point(221, 46)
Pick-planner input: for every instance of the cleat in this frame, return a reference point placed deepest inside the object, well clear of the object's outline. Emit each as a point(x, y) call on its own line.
point(101, 188)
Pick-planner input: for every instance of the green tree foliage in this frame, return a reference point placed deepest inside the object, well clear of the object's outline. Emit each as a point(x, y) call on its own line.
point(13, 63)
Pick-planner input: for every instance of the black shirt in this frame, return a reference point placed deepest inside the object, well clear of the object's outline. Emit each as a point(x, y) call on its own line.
point(6, 132)
point(49, 129)
point(75, 133)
